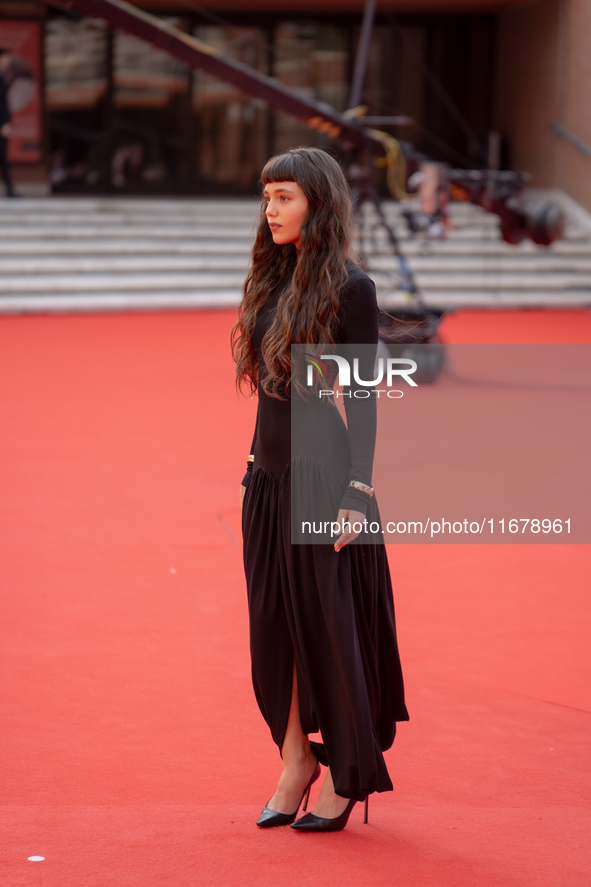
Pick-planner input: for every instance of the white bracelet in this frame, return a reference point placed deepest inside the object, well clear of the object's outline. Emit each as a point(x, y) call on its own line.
point(359, 486)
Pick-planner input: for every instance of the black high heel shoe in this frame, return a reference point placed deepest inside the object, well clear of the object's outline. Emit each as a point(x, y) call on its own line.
point(270, 818)
point(312, 823)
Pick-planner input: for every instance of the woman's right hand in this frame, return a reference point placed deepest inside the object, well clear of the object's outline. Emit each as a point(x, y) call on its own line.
point(351, 517)
point(242, 491)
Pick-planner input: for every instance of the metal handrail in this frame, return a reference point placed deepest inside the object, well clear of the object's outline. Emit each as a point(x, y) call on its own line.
point(565, 133)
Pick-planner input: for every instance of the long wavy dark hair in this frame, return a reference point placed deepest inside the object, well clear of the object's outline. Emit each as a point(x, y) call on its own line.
point(313, 276)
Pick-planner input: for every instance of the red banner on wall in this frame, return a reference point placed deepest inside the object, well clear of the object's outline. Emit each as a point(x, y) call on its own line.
point(22, 39)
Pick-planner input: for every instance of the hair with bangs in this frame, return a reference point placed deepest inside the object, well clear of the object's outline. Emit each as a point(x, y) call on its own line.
point(312, 277)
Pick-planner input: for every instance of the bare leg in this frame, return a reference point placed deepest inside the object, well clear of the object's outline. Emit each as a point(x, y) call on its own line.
point(329, 805)
point(298, 760)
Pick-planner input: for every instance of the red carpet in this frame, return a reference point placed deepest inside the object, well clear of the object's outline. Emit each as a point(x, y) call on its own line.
point(132, 749)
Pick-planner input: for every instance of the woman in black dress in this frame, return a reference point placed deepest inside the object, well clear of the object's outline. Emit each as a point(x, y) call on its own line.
point(322, 631)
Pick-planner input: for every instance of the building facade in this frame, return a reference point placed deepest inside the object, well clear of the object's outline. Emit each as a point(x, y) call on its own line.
point(116, 115)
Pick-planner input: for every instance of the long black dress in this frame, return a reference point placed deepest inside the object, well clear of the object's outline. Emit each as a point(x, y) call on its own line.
point(333, 611)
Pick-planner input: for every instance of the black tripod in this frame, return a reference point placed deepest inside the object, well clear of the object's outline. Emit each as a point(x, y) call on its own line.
point(365, 191)
point(361, 172)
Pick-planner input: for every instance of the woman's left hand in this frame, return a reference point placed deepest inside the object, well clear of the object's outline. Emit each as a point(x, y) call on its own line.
point(350, 518)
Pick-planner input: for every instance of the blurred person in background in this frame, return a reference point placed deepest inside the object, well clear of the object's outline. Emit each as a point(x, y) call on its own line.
point(5, 123)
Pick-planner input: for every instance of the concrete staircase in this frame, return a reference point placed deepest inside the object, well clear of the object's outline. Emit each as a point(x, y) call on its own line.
point(119, 254)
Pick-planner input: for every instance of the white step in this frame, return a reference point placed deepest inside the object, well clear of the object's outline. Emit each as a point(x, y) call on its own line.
point(132, 246)
point(56, 283)
point(133, 282)
point(223, 299)
point(150, 262)
point(132, 205)
point(497, 280)
point(140, 229)
point(119, 301)
point(438, 264)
